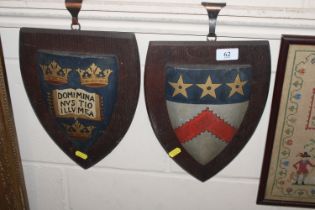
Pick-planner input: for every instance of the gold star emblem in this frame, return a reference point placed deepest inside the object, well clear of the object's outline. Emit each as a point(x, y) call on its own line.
point(237, 86)
point(208, 88)
point(180, 87)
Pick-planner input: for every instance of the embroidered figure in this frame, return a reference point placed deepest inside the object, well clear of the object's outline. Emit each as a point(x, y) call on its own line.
point(302, 167)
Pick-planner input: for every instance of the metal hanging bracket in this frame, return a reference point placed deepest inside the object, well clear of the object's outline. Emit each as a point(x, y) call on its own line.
point(213, 10)
point(74, 7)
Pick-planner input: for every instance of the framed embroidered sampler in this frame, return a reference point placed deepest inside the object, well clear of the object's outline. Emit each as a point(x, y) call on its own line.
point(288, 175)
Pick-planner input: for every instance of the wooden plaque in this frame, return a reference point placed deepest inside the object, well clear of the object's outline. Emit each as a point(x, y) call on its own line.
point(83, 86)
point(205, 99)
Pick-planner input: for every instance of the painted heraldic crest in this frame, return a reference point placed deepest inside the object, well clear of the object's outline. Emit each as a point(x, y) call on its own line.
point(83, 87)
point(204, 108)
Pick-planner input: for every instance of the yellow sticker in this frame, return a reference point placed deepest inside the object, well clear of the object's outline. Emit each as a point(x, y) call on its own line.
point(81, 155)
point(175, 152)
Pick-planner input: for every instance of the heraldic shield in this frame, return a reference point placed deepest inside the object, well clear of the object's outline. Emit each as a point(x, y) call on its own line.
point(205, 99)
point(83, 86)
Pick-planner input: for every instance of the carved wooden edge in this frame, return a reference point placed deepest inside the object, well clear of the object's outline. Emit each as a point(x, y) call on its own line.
point(12, 186)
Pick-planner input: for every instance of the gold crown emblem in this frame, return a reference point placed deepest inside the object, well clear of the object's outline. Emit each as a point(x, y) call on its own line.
point(94, 76)
point(53, 73)
point(78, 130)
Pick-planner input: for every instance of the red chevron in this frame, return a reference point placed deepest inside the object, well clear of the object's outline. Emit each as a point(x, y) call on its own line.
point(205, 121)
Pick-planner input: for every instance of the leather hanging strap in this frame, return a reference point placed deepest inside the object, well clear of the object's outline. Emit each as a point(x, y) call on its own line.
point(74, 7)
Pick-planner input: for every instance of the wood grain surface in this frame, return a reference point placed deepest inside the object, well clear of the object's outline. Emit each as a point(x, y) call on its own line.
point(12, 187)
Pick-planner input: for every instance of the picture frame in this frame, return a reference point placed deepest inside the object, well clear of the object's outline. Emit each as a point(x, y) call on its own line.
point(288, 175)
point(12, 186)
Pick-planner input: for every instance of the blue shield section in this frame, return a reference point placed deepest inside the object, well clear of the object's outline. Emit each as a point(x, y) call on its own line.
point(221, 76)
point(80, 91)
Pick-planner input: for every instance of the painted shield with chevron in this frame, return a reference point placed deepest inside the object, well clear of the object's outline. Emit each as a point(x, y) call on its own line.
point(204, 104)
point(201, 103)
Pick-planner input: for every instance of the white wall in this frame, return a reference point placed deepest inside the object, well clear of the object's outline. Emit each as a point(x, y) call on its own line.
point(138, 174)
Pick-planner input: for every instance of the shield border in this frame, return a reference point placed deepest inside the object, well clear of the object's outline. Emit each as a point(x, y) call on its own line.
point(161, 54)
point(85, 42)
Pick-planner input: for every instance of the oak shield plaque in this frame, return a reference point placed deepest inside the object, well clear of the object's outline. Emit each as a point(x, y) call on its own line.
point(83, 86)
point(205, 99)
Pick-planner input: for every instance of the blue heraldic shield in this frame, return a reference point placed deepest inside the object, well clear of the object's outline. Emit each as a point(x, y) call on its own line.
point(80, 91)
